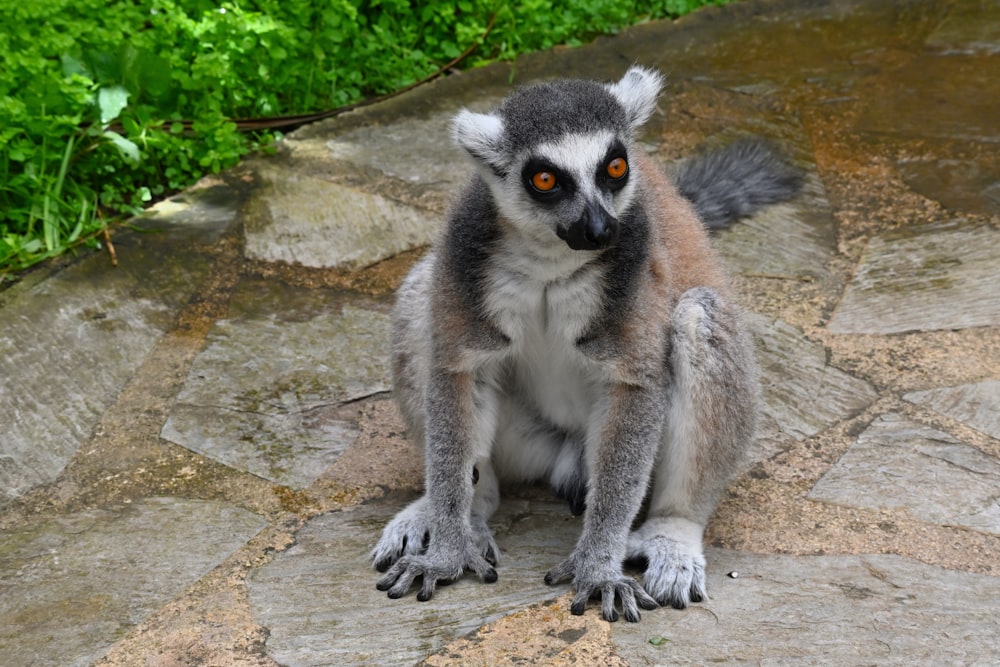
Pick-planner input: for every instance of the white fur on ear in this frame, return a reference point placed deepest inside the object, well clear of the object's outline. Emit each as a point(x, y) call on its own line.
point(637, 92)
point(480, 135)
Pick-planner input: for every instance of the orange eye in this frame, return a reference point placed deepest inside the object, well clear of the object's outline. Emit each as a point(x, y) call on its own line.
point(543, 181)
point(617, 168)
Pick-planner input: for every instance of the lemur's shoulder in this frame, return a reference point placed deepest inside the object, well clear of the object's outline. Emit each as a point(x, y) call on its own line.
point(681, 255)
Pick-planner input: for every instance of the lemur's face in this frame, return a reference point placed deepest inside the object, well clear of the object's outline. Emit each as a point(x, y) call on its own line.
point(575, 187)
point(556, 156)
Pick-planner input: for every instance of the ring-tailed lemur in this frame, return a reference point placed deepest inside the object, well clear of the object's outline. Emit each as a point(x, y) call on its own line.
point(571, 324)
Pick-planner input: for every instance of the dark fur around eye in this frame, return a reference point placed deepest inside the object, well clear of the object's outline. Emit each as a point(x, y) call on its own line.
point(603, 178)
point(564, 183)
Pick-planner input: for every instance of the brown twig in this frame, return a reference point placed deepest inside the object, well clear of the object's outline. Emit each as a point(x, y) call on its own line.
point(109, 245)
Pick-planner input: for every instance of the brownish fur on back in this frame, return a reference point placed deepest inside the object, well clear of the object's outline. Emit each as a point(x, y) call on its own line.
point(681, 257)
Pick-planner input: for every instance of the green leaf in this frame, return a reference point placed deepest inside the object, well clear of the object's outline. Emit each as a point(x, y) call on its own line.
point(103, 66)
point(17, 154)
point(75, 234)
point(71, 66)
point(658, 641)
point(127, 148)
point(32, 246)
point(146, 75)
point(111, 100)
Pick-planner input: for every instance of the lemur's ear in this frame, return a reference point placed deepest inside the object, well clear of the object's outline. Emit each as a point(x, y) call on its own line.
point(481, 135)
point(637, 92)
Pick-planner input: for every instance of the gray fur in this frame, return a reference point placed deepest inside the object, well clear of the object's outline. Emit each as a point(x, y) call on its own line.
point(615, 370)
point(736, 181)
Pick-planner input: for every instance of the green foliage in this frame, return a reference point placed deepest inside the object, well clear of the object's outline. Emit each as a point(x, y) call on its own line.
point(93, 92)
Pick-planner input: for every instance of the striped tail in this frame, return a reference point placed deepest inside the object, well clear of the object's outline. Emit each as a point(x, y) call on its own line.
point(738, 180)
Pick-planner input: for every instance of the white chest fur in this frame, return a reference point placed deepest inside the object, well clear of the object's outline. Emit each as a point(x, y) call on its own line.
point(544, 317)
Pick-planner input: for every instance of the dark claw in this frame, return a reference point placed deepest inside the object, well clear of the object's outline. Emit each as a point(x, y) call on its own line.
point(696, 597)
point(678, 604)
point(491, 557)
point(475, 475)
point(632, 617)
point(648, 604)
point(383, 565)
point(424, 596)
point(491, 576)
point(614, 617)
point(577, 608)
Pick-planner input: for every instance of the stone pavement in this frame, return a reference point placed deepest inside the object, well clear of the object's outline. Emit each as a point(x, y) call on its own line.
point(200, 447)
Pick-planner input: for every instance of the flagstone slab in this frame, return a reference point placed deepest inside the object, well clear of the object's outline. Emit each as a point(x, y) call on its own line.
point(947, 95)
point(966, 186)
point(319, 602)
point(968, 27)
point(803, 395)
point(823, 610)
point(414, 149)
point(298, 219)
point(71, 587)
point(950, 88)
point(70, 341)
point(792, 240)
point(898, 463)
point(263, 396)
point(976, 405)
point(924, 280)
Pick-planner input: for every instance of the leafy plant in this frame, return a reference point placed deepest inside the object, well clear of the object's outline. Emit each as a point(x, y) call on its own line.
point(106, 105)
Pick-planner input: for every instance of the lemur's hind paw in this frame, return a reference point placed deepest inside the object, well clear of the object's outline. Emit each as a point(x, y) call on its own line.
point(675, 566)
point(675, 576)
point(485, 543)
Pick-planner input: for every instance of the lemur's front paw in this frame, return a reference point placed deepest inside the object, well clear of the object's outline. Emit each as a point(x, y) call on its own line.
point(607, 584)
point(442, 564)
point(406, 535)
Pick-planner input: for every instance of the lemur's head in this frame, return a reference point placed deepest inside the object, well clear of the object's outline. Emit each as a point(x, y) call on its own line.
point(556, 155)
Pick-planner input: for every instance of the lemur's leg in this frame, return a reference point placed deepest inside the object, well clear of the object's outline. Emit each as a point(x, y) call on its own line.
point(621, 447)
point(459, 431)
point(712, 403)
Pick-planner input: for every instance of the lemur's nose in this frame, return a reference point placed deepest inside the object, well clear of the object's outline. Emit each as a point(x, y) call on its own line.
point(596, 229)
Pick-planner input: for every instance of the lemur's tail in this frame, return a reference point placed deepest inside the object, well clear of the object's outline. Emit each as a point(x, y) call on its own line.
point(735, 181)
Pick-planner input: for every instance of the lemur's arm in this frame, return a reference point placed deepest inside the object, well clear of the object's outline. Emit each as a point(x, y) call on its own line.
point(455, 422)
point(618, 481)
